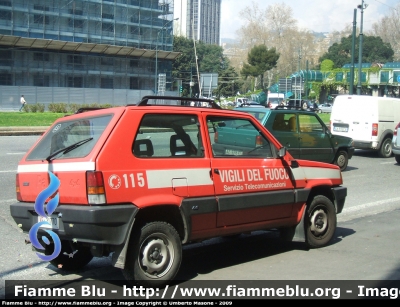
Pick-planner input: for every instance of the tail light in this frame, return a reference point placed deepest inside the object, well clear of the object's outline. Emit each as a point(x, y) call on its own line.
point(17, 188)
point(375, 129)
point(395, 129)
point(95, 188)
point(259, 140)
point(216, 137)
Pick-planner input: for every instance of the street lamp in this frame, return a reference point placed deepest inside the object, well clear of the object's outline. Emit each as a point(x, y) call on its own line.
point(156, 72)
point(362, 7)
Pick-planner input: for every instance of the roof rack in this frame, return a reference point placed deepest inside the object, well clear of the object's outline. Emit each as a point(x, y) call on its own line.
point(185, 101)
point(81, 110)
point(289, 108)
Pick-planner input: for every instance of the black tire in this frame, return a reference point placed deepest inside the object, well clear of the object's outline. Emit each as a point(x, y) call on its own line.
point(73, 256)
point(397, 157)
point(154, 255)
point(386, 150)
point(320, 222)
point(342, 159)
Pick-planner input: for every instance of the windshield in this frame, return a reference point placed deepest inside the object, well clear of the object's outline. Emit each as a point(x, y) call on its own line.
point(67, 135)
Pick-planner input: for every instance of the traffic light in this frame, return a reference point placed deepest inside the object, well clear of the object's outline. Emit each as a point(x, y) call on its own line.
point(181, 89)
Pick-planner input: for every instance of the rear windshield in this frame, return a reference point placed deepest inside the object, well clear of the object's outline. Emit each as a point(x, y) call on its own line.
point(77, 137)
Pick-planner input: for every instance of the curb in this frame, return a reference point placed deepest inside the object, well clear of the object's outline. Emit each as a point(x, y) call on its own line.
point(20, 131)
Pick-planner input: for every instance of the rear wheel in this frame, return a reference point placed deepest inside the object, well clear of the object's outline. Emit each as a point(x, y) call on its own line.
point(154, 255)
point(342, 159)
point(385, 151)
point(397, 157)
point(320, 222)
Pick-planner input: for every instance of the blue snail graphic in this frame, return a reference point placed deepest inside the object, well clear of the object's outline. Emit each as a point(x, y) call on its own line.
point(40, 210)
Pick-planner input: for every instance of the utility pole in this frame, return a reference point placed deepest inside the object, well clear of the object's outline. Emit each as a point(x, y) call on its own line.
point(353, 40)
point(362, 7)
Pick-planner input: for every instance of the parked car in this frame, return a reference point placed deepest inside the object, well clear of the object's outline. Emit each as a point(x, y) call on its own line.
point(251, 103)
point(325, 108)
point(396, 143)
point(305, 135)
point(303, 104)
point(139, 181)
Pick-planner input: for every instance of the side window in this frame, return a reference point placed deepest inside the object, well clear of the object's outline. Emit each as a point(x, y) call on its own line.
point(283, 122)
point(233, 137)
point(309, 123)
point(172, 135)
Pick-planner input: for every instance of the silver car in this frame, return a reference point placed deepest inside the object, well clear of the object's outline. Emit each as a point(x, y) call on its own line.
point(325, 108)
point(396, 143)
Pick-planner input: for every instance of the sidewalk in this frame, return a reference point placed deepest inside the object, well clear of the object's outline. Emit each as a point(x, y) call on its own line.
point(17, 131)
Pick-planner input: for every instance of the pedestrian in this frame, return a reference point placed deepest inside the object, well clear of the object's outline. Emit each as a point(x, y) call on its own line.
point(269, 104)
point(23, 102)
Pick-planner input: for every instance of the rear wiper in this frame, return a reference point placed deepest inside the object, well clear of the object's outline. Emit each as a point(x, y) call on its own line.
point(68, 149)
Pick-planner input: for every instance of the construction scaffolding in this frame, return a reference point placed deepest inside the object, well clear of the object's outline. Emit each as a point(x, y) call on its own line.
point(98, 29)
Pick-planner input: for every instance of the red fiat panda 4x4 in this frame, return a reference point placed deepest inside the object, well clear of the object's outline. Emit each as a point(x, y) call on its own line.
point(140, 181)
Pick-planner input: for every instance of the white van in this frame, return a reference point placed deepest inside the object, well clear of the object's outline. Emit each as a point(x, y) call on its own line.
point(275, 99)
point(368, 120)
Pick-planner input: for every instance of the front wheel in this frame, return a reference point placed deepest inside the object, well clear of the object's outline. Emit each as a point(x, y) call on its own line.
point(154, 255)
point(342, 159)
point(320, 222)
point(385, 151)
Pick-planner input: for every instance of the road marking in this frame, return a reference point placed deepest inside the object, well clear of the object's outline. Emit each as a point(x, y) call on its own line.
point(15, 153)
point(14, 171)
point(372, 208)
point(388, 162)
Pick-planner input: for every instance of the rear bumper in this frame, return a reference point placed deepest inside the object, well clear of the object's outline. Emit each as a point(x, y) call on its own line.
point(364, 145)
point(92, 224)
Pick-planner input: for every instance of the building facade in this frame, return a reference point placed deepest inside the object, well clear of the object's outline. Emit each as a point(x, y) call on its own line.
point(198, 20)
point(110, 45)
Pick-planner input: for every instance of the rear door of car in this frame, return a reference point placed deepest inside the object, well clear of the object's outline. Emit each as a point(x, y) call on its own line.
point(283, 125)
point(251, 186)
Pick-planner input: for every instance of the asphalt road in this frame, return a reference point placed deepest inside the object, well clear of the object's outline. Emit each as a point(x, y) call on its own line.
point(365, 246)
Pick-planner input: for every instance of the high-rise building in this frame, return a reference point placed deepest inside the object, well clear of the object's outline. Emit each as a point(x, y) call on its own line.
point(198, 20)
point(84, 50)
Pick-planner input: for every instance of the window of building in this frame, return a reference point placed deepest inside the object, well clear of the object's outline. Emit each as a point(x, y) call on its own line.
point(5, 15)
point(5, 2)
point(107, 27)
point(75, 12)
point(75, 23)
point(134, 63)
point(107, 83)
point(74, 59)
point(107, 16)
point(107, 61)
point(74, 81)
point(39, 7)
point(39, 56)
point(41, 19)
point(41, 80)
point(134, 83)
point(5, 79)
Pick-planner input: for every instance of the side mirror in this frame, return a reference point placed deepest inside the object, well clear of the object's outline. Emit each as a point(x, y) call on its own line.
point(282, 152)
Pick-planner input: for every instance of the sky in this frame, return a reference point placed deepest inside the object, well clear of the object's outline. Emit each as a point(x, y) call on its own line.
point(314, 15)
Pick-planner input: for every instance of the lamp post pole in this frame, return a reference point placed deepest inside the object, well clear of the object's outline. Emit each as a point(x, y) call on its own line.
point(156, 71)
point(361, 7)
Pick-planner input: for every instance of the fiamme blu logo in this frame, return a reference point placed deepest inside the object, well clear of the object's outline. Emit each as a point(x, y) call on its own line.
point(45, 211)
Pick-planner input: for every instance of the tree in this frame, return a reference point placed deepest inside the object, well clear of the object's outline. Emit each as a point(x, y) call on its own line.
point(210, 59)
point(374, 51)
point(260, 60)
